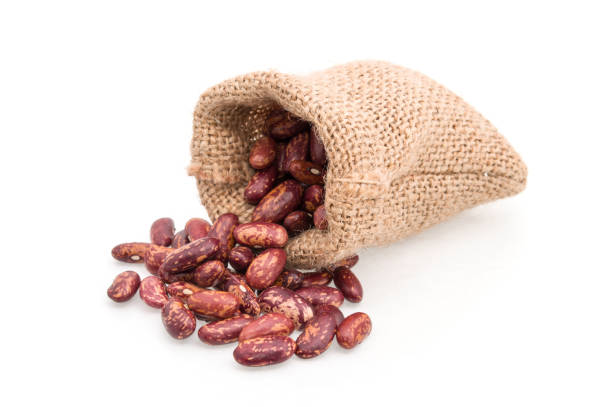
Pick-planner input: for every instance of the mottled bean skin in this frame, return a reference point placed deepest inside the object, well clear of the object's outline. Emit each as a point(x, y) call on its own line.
point(278, 203)
point(208, 273)
point(235, 284)
point(281, 125)
point(297, 149)
point(314, 197)
point(124, 286)
point(130, 252)
point(178, 320)
point(266, 268)
point(320, 294)
point(182, 289)
point(189, 256)
point(317, 149)
point(180, 239)
point(264, 350)
point(287, 302)
point(197, 228)
point(319, 277)
point(281, 158)
point(219, 304)
point(270, 324)
point(307, 172)
point(349, 284)
point(353, 330)
point(240, 257)
point(224, 331)
point(317, 336)
point(331, 309)
point(155, 256)
point(290, 278)
point(319, 218)
point(262, 153)
point(297, 222)
point(153, 292)
point(170, 278)
point(223, 229)
point(261, 235)
point(260, 184)
point(162, 232)
point(348, 262)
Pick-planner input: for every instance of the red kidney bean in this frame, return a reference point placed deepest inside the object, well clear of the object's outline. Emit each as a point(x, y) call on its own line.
point(307, 172)
point(353, 330)
point(282, 124)
point(297, 222)
point(313, 198)
point(278, 203)
point(331, 309)
point(223, 229)
point(349, 284)
point(319, 277)
point(319, 218)
point(189, 256)
point(317, 149)
point(266, 268)
point(224, 331)
point(124, 286)
point(153, 292)
point(297, 149)
point(320, 294)
point(154, 256)
point(285, 301)
point(178, 320)
point(234, 284)
point(197, 228)
point(264, 350)
point(180, 239)
point(269, 324)
point(240, 257)
point(290, 278)
point(208, 273)
point(182, 289)
point(262, 153)
point(130, 252)
point(162, 232)
point(261, 235)
point(317, 336)
point(260, 184)
point(218, 304)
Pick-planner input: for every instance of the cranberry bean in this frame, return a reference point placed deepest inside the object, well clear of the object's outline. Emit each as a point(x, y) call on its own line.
point(297, 222)
point(189, 256)
point(260, 184)
point(266, 268)
point(262, 153)
point(219, 304)
point(306, 172)
point(153, 292)
point(313, 198)
point(130, 252)
point(282, 125)
point(162, 232)
point(320, 294)
point(178, 319)
point(224, 331)
point(124, 286)
point(223, 229)
point(240, 257)
point(349, 284)
point(319, 277)
point(317, 336)
point(208, 273)
point(278, 203)
point(265, 350)
point(269, 324)
point(317, 150)
point(197, 228)
point(319, 217)
point(285, 301)
point(261, 235)
point(353, 330)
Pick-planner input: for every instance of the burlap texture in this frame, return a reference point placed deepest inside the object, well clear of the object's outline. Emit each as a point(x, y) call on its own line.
point(404, 153)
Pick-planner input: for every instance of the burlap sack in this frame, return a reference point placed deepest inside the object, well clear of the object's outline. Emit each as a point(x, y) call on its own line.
point(404, 152)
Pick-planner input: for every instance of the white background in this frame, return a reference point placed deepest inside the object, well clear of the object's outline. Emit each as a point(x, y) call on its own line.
point(506, 304)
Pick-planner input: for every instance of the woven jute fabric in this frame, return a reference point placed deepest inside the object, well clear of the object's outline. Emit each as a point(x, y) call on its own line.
point(404, 152)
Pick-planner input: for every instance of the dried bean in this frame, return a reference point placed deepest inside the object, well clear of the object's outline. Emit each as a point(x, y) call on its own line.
point(162, 232)
point(124, 286)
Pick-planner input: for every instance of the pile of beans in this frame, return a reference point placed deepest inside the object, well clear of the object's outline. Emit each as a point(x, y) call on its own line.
point(191, 278)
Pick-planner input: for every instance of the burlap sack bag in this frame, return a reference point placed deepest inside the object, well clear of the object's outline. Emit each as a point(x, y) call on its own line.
point(404, 153)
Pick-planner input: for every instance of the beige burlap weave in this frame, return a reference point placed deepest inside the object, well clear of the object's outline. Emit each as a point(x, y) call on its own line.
point(404, 153)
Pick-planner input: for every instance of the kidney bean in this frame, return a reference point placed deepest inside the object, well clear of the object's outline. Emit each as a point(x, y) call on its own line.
point(262, 153)
point(153, 292)
point(178, 320)
point(349, 284)
point(319, 277)
point(260, 184)
point(317, 149)
point(189, 256)
point(124, 286)
point(182, 289)
point(240, 257)
point(353, 330)
point(169, 278)
point(208, 273)
point(264, 350)
point(281, 158)
point(319, 218)
point(297, 222)
point(306, 172)
point(266, 268)
point(282, 124)
point(234, 284)
point(347, 262)
point(197, 228)
point(317, 336)
point(320, 294)
point(331, 309)
point(313, 198)
point(270, 324)
point(285, 301)
point(278, 203)
point(130, 252)
point(261, 235)
point(223, 229)
point(180, 239)
point(297, 149)
point(219, 304)
point(154, 256)
point(162, 232)
point(224, 331)
point(290, 278)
